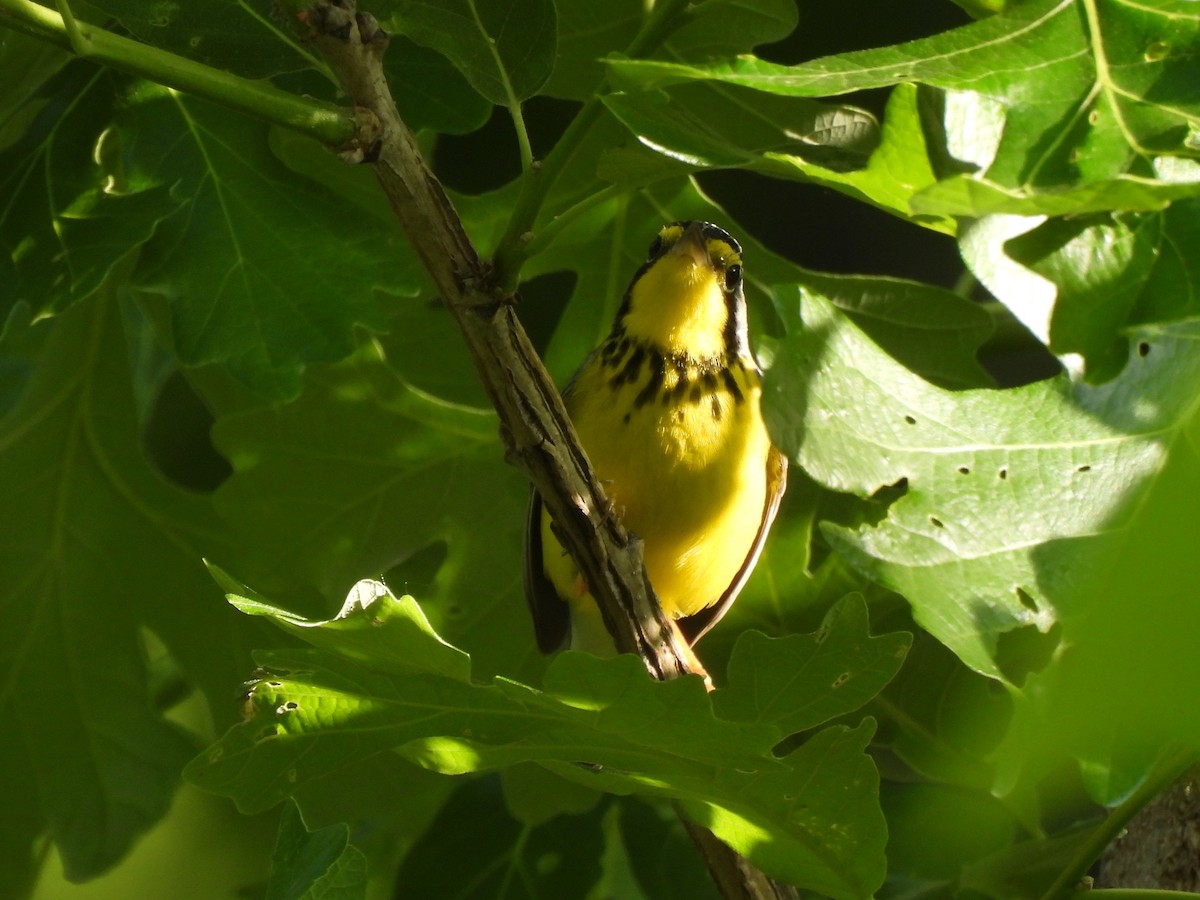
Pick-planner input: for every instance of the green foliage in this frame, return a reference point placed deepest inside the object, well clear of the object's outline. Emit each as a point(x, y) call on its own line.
point(217, 346)
point(382, 679)
point(315, 865)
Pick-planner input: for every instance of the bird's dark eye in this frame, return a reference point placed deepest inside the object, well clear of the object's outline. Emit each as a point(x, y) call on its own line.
point(733, 277)
point(655, 247)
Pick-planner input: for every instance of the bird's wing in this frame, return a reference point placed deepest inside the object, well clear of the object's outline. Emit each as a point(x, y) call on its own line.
point(695, 627)
point(551, 615)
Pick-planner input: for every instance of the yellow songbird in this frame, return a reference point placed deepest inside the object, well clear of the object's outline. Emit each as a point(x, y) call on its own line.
point(667, 408)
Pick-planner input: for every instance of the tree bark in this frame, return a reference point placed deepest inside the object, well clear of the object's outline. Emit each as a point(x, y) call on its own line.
point(1160, 848)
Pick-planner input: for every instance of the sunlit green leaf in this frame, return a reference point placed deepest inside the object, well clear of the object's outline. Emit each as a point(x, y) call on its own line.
point(990, 477)
point(725, 128)
point(935, 333)
point(1112, 83)
point(1113, 272)
point(314, 711)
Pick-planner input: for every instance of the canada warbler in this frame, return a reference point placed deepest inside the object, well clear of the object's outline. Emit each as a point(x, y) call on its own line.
point(667, 409)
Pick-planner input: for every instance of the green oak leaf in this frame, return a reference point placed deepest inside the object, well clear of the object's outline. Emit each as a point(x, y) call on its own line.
point(707, 126)
point(505, 50)
point(928, 847)
point(70, 211)
point(365, 472)
point(898, 172)
point(264, 271)
point(602, 723)
point(96, 547)
point(935, 333)
point(430, 92)
point(799, 681)
point(587, 31)
point(368, 639)
point(943, 720)
point(1111, 272)
point(976, 197)
point(662, 856)
point(476, 849)
point(1111, 90)
point(722, 28)
point(315, 865)
point(244, 36)
point(26, 64)
point(992, 479)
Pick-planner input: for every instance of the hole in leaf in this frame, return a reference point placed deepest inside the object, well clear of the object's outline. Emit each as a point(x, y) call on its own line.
point(963, 470)
point(176, 437)
point(1025, 650)
point(1156, 51)
point(1003, 473)
point(936, 522)
point(1027, 600)
point(910, 420)
point(543, 301)
point(415, 573)
point(1083, 469)
point(1143, 349)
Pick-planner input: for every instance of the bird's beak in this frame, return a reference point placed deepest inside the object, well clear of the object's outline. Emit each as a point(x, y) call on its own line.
point(692, 244)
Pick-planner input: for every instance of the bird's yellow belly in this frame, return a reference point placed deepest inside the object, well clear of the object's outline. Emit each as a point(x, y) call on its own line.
point(689, 478)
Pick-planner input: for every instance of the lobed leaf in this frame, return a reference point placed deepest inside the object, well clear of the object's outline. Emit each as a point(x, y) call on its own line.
point(1085, 91)
point(600, 722)
point(365, 473)
point(475, 849)
point(1007, 494)
point(264, 270)
point(505, 50)
point(243, 36)
point(70, 212)
point(315, 865)
point(1111, 273)
point(799, 681)
point(95, 547)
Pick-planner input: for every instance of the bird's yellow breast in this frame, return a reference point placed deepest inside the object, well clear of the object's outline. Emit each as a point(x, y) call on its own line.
point(681, 450)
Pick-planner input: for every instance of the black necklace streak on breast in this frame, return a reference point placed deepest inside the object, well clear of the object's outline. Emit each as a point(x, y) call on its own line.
point(671, 378)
